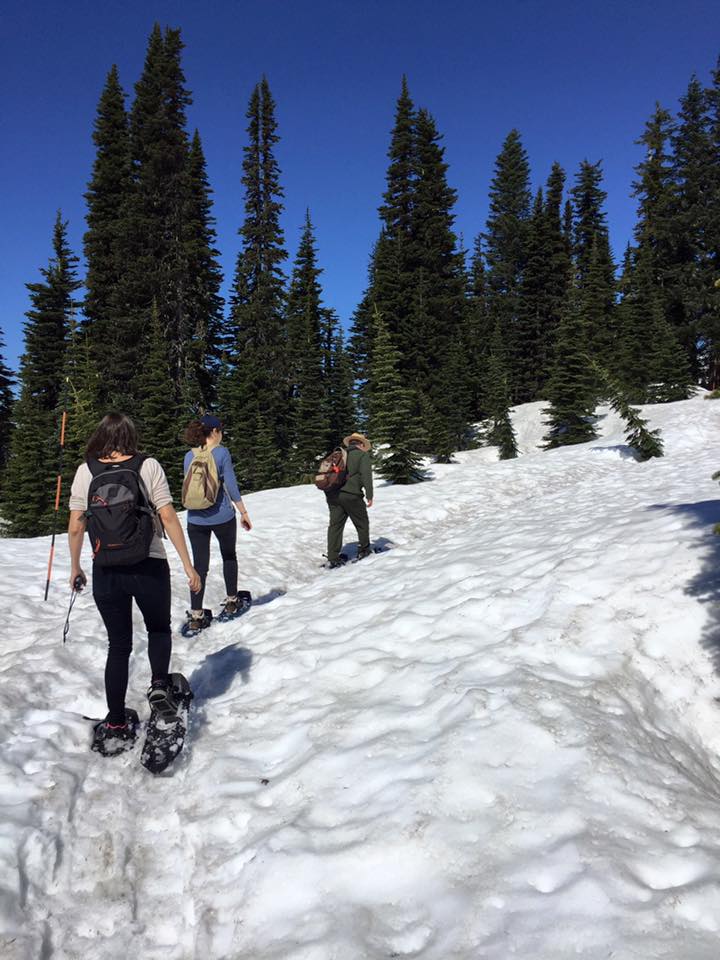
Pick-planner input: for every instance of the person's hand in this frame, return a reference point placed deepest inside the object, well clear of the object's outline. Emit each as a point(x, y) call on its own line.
point(369, 503)
point(194, 581)
point(245, 521)
point(75, 573)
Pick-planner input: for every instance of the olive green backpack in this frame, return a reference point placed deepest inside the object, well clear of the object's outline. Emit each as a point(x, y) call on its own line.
point(201, 485)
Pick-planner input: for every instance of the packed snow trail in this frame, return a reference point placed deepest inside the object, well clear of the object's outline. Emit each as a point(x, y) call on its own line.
point(498, 739)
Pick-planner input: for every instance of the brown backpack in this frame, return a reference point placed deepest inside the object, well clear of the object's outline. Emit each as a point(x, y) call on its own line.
point(201, 485)
point(332, 472)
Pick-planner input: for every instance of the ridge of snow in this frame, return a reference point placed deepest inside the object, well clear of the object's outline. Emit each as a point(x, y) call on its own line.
point(498, 739)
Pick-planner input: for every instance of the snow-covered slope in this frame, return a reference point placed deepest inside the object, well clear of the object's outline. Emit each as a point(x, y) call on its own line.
point(500, 739)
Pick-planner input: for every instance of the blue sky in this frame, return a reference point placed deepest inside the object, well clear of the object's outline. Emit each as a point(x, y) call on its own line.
point(578, 79)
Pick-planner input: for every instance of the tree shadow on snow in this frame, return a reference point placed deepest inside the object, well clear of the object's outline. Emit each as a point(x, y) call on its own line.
point(626, 452)
point(705, 585)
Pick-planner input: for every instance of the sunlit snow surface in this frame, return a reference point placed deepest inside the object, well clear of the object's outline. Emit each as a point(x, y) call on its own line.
point(499, 739)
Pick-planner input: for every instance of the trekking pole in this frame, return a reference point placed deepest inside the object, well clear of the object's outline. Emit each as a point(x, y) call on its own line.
point(58, 488)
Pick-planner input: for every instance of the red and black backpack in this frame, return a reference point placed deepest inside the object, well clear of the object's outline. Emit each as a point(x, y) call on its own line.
point(120, 515)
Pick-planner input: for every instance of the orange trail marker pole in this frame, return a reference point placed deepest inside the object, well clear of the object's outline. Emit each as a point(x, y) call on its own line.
point(58, 488)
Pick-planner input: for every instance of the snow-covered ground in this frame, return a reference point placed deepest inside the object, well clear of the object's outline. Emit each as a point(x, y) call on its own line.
point(499, 739)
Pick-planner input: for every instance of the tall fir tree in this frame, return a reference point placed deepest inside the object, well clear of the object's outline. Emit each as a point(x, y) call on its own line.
point(655, 189)
point(81, 398)
point(506, 246)
point(435, 346)
point(500, 431)
point(108, 196)
point(572, 389)
point(691, 292)
point(594, 266)
point(202, 320)
point(532, 308)
point(651, 363)
point(558, 270)
point(254, 394)
point(381, 289)
point(27, 500)
point(477, 329)
point(544, 286)
point(391, 424)
point(306, 318)
point(159, 417)
point(342, 414)
point(6, 404)
point(712, 232)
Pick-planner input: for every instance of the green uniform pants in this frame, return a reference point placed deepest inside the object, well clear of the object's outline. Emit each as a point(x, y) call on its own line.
point(341, 506)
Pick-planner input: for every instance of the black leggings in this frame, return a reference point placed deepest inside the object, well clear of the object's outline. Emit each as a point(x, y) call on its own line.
point(199, 535)
point(114, 589)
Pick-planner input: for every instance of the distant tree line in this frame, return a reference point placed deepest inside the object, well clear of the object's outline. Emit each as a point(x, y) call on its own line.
point(442, 341)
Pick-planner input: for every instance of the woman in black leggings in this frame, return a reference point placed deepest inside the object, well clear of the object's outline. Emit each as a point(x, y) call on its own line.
point(205, 436)
point(146, 580)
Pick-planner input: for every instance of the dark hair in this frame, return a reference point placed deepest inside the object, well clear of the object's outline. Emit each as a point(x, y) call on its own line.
point(115, 432)
point(196, 433)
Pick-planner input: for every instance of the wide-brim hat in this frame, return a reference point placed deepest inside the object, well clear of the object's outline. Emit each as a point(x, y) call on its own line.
point(358, 438)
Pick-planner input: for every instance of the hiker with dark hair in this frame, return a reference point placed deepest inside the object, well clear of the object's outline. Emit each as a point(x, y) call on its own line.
point(122, 498)
point(211, 496)
point(347, 501)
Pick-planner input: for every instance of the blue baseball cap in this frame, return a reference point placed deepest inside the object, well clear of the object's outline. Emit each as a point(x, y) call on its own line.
point(214, 423)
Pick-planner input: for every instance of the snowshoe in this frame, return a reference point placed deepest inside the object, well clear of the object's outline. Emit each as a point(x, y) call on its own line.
point(165, 734)
point(364, 552)
point(235, 606)
point(195, 624)
point(334, 564)
point(111, 739)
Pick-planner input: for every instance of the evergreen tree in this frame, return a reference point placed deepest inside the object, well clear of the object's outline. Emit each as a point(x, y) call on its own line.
point(532, 307)
point(506, 243)
point(391, 422)
point(646, 443)
point(690, 296)
point(594, 267)
point(6, 403)
point(712, 233)
point(340, 381)
point(477, 329)
point(381, 289)
point(81, 396)
point(572, 386)
point(438, 277)
point(306, 360)
point(108, 195)
point(202, 320)
point(655, 190)
point(558, 273)
point(500, 430)
point(27, 504)
point(652, 364)
point(254, 391)
point(159, 418)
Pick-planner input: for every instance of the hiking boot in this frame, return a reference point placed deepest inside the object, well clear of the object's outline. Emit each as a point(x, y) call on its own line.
point(341, 560)
point(235, 606)
point(364, 552)
point(230, 606)
point(162, 699)
point(195, 621)
point(109, 739)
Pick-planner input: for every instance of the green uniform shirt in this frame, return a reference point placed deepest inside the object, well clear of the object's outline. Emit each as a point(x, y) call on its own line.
point(359, 477)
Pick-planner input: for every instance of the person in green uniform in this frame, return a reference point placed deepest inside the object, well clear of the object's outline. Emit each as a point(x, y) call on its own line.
point(348, 501)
